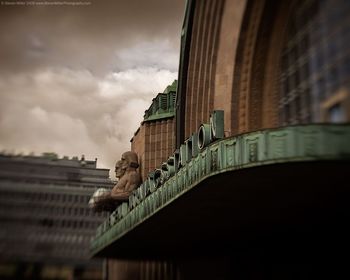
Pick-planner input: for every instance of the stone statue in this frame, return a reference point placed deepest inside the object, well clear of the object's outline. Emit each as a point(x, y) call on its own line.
point(129, 179)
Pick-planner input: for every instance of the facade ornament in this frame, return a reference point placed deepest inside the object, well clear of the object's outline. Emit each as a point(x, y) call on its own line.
point(129, 179)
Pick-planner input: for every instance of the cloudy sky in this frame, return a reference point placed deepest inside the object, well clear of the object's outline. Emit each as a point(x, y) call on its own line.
point(76, 79)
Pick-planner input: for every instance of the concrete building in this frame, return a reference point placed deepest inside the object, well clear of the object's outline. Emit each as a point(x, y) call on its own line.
point(257, 184)
point(45, 223)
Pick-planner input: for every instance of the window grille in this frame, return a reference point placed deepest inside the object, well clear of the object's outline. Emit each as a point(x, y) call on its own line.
point(164, 101)
point(315, 59)
point(173, 98)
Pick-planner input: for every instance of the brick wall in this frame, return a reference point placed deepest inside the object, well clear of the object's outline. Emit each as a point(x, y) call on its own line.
point(202, 64)
point(153, 142)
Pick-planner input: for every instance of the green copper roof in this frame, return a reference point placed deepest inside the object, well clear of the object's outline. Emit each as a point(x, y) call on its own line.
point(304, 143)
point(163, 104)
point(171, 87)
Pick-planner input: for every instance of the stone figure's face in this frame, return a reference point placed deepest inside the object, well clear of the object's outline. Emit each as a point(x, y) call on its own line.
point(119, 169)
point(124, 161)
point(130, 159)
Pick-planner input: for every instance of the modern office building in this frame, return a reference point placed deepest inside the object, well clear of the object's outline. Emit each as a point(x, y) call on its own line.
point(45, 222)
point(257, 186)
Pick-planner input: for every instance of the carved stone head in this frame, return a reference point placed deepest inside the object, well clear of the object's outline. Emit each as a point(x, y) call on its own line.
point(119, 169)
point(130, 160)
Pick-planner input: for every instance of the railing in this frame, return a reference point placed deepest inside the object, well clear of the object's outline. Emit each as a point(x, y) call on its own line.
point(271, 146)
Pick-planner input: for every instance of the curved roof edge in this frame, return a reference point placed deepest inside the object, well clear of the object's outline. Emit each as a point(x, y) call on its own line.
point(302, 143)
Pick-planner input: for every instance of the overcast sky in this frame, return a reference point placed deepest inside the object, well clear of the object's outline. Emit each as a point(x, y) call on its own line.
point(76, 79)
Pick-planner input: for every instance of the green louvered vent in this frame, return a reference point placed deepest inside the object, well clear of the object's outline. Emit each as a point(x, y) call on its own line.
point(163, 98)
point(162, 105)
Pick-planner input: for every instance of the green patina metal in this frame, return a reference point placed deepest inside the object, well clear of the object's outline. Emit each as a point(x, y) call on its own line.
point(158, 115)
point(272, 146)
point(163, 105)
point(171, 88)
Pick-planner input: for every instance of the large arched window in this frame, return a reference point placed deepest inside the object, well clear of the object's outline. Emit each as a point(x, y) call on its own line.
point(315, 63)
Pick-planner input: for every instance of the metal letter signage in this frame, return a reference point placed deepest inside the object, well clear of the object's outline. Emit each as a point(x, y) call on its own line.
point(207, 133)
point(203, 136)
point(217, 125)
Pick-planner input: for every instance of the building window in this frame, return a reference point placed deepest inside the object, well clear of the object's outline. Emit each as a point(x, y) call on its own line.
point(336, 108)
point(336, 114)
point(313, 63)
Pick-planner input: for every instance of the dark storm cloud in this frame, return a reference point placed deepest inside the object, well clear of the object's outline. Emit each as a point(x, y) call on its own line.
point(73, 112)
point(76, 79)
point(83, 36)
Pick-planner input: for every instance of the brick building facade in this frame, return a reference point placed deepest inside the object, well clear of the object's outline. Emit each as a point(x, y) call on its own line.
point(154, 140)
point(268, 199)
point(265, 63)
